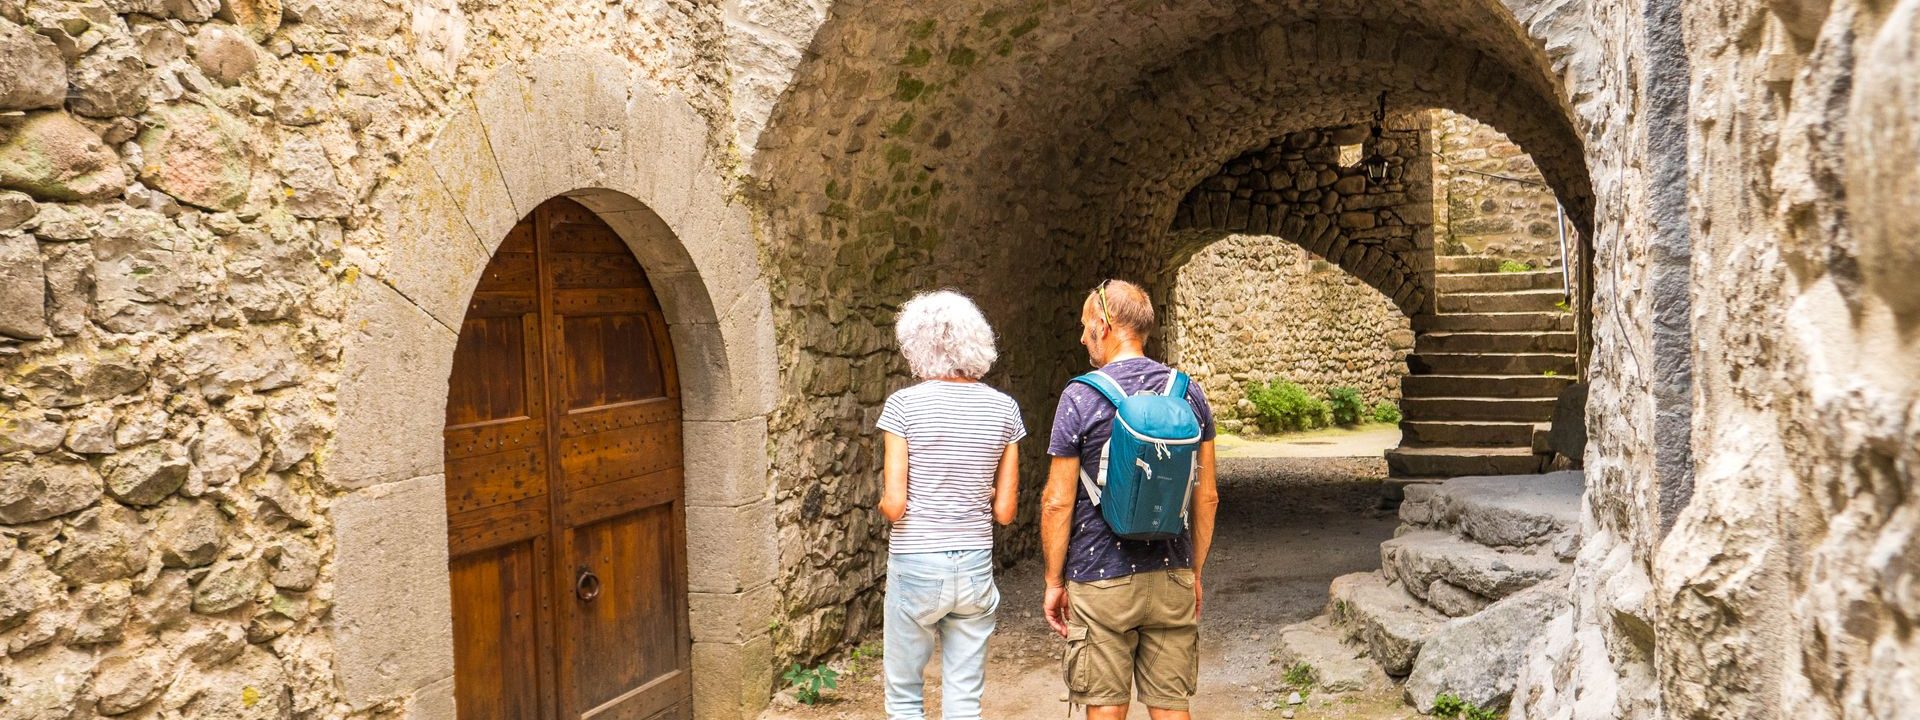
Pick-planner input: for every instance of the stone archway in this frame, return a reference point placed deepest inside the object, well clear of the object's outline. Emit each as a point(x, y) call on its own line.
point(572, 125)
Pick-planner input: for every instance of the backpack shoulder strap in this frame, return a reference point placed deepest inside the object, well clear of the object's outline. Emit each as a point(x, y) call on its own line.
point(1177, 384)
point(1105, 385)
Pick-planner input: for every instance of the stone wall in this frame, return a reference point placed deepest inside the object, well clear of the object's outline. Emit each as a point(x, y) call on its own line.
point(1312, 188)
point(1489, 197)
point(1251, 308)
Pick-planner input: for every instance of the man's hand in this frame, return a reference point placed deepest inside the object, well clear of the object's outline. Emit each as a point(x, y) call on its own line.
point(1198, 596)
point(1055, 609)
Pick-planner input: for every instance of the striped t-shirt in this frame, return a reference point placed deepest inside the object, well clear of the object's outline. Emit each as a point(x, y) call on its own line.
point(956, 433)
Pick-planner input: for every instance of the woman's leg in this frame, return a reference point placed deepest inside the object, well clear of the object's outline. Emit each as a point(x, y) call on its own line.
point(916, 599)
point(964, 634)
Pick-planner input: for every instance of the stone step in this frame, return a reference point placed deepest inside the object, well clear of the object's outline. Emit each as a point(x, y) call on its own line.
point(1498, 281)
point(1503, 386)
point(1465, 264)
point(1383, 617)
point(1433, 564)
point(1502, 511)
point(1337, 666)
point(1465, 433)
point(1478, 408)
point(1478, 658)
point(1522, 301)
point(1452, 462)
point(1495, 322)
point(1491, 363)
point(1457, 341)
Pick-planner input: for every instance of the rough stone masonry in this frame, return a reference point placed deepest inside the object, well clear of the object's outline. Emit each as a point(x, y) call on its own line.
point(237, 237)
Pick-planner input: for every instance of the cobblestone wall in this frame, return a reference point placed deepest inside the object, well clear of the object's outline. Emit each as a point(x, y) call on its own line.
point(1489, 197)
point(1250, 308)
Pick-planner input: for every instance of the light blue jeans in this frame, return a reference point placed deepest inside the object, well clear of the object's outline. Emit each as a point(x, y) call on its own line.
point(951, 593)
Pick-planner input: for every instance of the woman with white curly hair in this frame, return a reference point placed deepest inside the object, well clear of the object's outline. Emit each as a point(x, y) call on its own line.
point(950, 473)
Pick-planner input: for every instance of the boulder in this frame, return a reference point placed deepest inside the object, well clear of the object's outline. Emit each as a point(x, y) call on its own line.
point(147, 474)
point(224, 53)
point(1337, 666)
point(1477, 658)
point(31, 491)
point(122, 684)
point(109, 82)
point(23, 287)
point(230, 584)
point(51, 156)
point(191, 534)
point(197, 154)
point(105, 543)
point(32, 74)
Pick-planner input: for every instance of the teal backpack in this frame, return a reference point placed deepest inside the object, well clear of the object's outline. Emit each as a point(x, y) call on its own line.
point(1148, 466)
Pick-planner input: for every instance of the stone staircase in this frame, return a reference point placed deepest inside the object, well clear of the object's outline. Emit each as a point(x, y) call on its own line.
point(1475, 571)
point(1484, 373)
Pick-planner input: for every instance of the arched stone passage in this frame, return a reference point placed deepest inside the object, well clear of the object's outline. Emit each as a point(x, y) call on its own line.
point(638, 159)
point(1298, 188)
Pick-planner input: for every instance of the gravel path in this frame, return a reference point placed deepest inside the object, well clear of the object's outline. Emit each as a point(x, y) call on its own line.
point(1288, 526)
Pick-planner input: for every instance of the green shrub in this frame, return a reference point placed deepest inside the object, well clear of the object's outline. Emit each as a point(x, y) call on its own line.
point(1301, 676)
point(807, 682)
point(1514, 266)
point(1448, 705)
point(1284, 406)
point(1386, 412)
point(1346, 405)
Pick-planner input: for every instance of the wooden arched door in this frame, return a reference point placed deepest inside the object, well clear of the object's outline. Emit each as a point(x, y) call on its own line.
point(565, 514)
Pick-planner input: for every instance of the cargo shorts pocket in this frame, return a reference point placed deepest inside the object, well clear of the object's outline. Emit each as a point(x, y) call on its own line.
point(1078, 674)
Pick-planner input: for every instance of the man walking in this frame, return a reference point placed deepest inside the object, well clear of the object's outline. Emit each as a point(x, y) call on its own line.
point(1129, 608)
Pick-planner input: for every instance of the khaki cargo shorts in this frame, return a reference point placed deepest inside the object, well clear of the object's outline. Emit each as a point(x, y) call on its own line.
point(1134, 630)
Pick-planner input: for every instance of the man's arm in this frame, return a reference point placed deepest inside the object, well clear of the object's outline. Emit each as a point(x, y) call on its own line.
point(1206, 504)
point(1056, 525)
point(893, 470)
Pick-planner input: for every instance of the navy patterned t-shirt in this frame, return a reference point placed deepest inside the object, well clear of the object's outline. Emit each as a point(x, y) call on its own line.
point(1081, 425)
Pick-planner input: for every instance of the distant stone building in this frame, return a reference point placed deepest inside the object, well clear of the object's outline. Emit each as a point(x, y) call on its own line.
point(316, 310)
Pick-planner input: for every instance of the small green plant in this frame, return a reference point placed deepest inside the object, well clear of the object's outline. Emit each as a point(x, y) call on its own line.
point(1346, 405)
point(1513, 266)
point(861, 655)
point(1448, 705)
point(1386, 412)
point(808, 682)
point(1301, 676)
point(1284, 406)
point(1562, 306)
point(1550, 373)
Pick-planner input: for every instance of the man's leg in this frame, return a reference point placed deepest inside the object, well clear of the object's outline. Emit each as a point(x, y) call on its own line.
point(914, 591)
point(1101, 617)
point(1167, 667)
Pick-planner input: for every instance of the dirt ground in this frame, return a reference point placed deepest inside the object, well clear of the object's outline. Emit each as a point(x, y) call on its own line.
point(1287, 527)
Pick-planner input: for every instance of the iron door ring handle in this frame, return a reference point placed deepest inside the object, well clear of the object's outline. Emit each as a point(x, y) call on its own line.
point(586, 586)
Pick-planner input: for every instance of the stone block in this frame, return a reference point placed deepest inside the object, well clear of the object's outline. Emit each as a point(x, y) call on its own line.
point(736, 547)
point(557, 125)
point(432, 254)
point(731, 617)
point(32, 74)
point(393, 390)
point(23, 287)
point(198, 154)
point(726, 462)
point(1477, 658)
point(461, 157)
point(433, 702)
point(392, 619)
point(51, 156)
point(732, 681)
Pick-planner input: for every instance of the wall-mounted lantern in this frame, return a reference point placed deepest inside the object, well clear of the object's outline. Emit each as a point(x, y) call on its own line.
point(1376, 163)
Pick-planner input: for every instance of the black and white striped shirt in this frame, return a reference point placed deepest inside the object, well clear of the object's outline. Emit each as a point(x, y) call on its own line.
point(956, 433)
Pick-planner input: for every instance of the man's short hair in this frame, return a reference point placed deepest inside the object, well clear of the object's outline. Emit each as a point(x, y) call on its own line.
point(1125, 306)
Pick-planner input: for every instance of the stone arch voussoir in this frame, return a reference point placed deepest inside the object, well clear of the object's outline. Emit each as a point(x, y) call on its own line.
point(577, 124)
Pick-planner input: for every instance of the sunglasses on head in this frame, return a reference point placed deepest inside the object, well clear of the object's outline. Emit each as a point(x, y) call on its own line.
point(1100, 299)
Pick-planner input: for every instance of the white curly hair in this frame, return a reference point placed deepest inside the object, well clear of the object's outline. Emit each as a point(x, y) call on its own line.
point(942, 334)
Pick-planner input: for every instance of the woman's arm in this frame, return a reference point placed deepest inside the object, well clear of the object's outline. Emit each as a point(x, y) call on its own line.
point(1006, 486)
point(893, 495)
